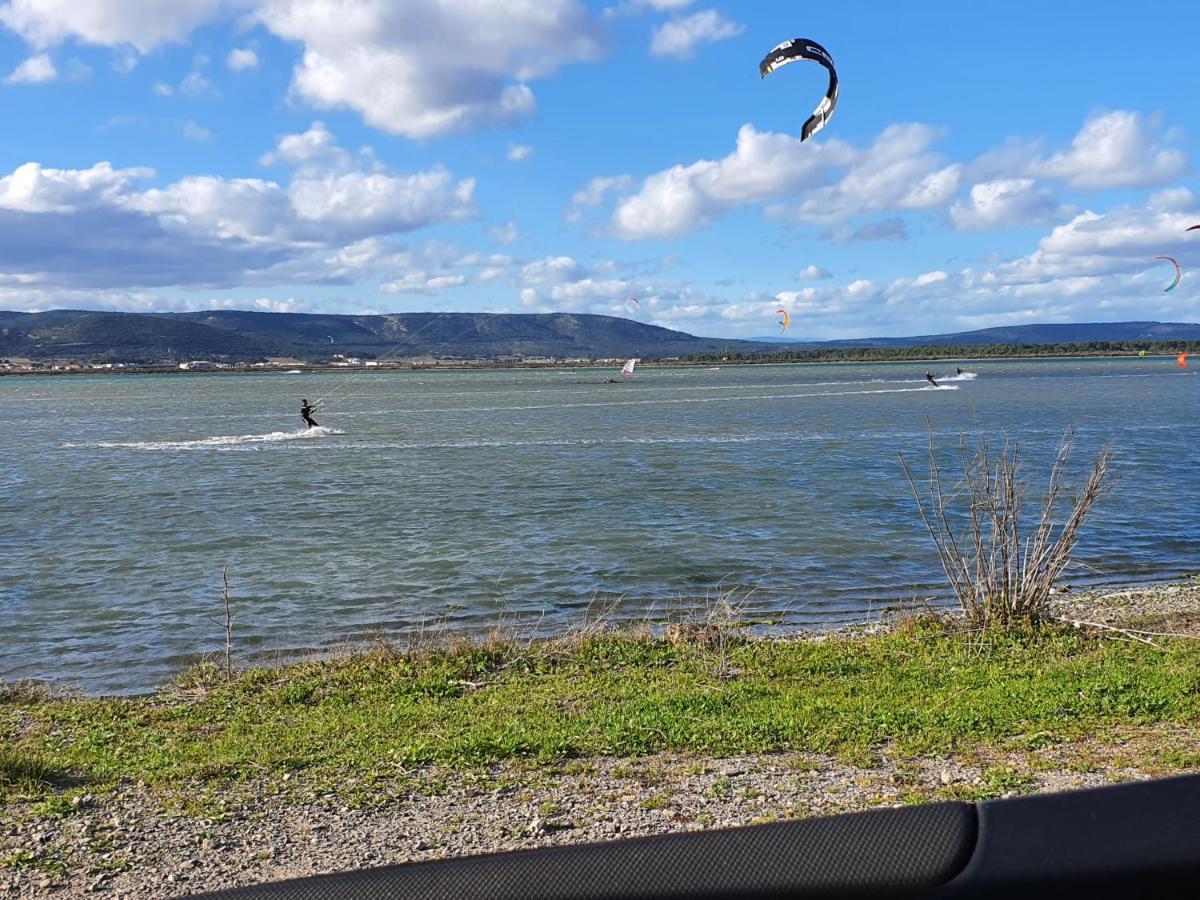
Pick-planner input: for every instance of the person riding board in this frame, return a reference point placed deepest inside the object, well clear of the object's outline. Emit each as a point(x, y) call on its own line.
point(958, 371)
point(306, 412)
point(929, 378)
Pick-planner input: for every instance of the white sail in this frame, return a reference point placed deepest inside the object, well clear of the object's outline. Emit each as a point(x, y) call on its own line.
point(627, 369)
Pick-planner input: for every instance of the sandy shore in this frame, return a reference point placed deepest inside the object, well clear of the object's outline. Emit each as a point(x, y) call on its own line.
point(132, 843)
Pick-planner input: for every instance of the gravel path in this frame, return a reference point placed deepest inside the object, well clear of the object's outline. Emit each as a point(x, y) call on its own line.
point(135, 844)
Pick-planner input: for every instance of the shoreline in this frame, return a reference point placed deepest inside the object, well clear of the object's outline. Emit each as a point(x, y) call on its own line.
point(649, 364)
point(175, 822)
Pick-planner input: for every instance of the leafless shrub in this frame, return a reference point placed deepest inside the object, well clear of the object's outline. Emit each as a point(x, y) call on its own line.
point(1001, 575)
point(228, 627)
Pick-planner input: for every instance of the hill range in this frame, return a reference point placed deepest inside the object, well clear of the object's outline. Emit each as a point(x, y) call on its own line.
point(243, 336)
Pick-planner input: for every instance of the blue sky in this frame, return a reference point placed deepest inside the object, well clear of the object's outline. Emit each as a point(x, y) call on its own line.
point(988, 163)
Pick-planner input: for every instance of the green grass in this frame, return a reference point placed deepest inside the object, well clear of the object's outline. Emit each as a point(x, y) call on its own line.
point(364, 720)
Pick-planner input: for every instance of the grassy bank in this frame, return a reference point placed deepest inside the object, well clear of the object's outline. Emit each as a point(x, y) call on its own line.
point(919, 690)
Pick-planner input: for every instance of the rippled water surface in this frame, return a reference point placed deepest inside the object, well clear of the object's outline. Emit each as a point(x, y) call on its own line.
point(454, 498)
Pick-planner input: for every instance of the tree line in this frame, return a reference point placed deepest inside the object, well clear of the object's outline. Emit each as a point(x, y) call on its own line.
point(940, 351)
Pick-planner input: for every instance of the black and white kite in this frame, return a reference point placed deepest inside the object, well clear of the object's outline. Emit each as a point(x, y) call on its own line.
point(803, 48)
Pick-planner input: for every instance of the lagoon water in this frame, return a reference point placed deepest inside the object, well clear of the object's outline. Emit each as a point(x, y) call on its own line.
point(455, 499)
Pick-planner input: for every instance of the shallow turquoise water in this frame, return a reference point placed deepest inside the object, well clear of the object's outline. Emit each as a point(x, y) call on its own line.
point(452, 499)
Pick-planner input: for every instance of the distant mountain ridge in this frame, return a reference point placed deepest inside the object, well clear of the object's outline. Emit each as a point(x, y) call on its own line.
point(1020, 334)
point(246, 336)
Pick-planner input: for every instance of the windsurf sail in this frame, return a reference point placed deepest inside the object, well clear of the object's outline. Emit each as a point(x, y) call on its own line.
point(627, 369)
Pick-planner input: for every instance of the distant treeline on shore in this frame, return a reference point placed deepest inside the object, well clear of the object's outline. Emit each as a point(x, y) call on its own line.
point(953, 351)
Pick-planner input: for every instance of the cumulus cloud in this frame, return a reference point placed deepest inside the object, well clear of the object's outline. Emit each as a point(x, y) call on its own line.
point(833, 180)
point(102, 227)
point(194, 132)
point(145, 24)
point(1116, 149)
point(504, 234)
point(431, 68)
point(421, 69)
point(37, 69)
point(890, 229)
point(552, 270)
point(1005, 203)
point(683, 199)
point(421, 283)
point(678, 38)
point(813, 272)
point(632, 7)
point(518, 152)
point(316, 145)
point(241, 58)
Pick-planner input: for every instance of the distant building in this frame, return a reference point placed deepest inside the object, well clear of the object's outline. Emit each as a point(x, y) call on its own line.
point(285, 361)
point(197, 364)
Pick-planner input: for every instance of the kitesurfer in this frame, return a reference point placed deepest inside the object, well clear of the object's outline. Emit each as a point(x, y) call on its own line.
point(306, 412)
point(958, 370)
point(929, 378)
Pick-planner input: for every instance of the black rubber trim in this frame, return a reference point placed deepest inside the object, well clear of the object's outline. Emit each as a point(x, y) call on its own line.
point(893, 853)
point(1142, 839)
point(1131, 840)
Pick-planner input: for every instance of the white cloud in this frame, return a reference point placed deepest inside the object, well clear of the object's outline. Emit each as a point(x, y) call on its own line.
point(813, 272)
point(1005, 203)
point(519, 152)
point(194, 132)
point(504, 234)
point(896, 172)
point(145, 24)
point(632, 7)
point(100, 227)
point(241, 58)
point(421, 283)
point(37, 69)
point(890, 229)
point(1115, 149)
point(434, 67)
point(552, 270)
point(317, 145)
point(163, 90)
point(194, 84)
point(682, 199)
point(930, 278)
point(678, 37)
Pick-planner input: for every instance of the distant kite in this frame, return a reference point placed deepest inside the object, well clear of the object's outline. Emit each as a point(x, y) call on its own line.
point(803, 48)
point(633, 301)
point(1178, 272)
point(1181, 360)
point(1193, 228)
point(787, 319)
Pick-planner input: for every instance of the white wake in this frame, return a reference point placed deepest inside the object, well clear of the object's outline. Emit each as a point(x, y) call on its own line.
point(224, 440)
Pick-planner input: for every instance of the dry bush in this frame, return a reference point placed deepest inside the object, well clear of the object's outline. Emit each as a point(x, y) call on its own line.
point(1000, 573)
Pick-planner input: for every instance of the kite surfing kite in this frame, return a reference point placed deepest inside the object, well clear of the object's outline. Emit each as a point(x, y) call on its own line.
point(1181, 360)
point(633, 301)
point(787, 319)
point(1178, 272)
point(803, 48)
point(1193, 228)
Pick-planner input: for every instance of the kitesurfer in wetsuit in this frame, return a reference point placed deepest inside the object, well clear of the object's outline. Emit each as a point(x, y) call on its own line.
point(958, 371)
point(306, 412)
point(929, 378)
